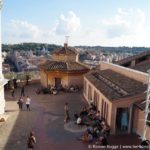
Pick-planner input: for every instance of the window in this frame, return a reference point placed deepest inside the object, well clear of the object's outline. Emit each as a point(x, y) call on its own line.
point(89, 93)
point(102, 108)
point(85, 86)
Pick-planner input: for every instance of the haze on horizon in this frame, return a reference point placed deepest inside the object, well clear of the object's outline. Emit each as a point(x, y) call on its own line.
point(96, 22)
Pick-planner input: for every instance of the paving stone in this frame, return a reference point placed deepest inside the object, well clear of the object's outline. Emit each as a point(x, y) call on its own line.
point(46, 120)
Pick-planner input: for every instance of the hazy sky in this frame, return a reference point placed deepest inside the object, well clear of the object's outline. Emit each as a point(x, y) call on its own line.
point(87, 22)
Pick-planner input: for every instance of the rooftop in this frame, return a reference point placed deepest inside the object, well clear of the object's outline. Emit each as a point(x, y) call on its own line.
point(143, 66)
point(114, 85)
point(65, 66)
point(128, 59)
point(65, 50)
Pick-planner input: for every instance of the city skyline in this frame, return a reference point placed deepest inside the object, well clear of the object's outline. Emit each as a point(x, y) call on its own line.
point(87, 22)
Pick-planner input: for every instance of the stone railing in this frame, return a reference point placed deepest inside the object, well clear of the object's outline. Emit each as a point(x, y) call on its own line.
point(22, 75)
point(21, 78)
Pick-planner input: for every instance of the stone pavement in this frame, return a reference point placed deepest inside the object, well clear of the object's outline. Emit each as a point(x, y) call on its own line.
point(46, 119)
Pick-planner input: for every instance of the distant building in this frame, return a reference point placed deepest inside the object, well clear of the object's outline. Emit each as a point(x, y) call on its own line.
point(6, 68)
point(64, 69)
point(139, 62)
point(118, 91)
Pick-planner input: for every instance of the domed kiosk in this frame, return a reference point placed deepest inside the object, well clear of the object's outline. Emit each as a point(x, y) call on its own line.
point(64, 69)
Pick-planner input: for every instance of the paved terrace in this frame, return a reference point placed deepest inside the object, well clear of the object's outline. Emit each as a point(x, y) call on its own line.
point(46, 119)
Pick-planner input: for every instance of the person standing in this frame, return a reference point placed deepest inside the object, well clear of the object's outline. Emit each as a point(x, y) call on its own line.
point(27, 79)
point(66, 111)
point(12, 91)
point(15, 83)
point(22, 91)
point(20, 103)
point(31, 141)
point(28, 101)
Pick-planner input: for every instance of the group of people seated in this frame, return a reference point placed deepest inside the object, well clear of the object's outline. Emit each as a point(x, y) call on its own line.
point(97, 129)
point(50, 90)
point(72, 88)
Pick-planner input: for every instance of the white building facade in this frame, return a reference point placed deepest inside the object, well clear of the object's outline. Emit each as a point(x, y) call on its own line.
point(2, 80)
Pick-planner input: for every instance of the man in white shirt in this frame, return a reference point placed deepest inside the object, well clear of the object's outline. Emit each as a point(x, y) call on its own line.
point(79, 121)
point(28, 103)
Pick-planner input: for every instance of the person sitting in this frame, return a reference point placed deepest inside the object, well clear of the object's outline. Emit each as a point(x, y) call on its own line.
point(91, 114)
point(105, 131)
point(54, 92)
point(76, 88)
point(84, 112)
point(93, 107)
point(96, 133)
point(52, 87)
point(102, 141)
point(72, 88)
point(98, 115)
point(79, 121)
point(87, 137)
point(60, 87)
point(76, 116)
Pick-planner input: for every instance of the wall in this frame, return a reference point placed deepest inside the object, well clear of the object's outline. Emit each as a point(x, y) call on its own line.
point(66, 78)
point(76, 80)
point(124, 103)
point(2, 100)
point(43, 79)
point(138, 123)
point(100, 98)
point(52, 76)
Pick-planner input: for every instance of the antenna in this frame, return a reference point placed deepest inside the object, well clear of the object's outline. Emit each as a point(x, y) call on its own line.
point(147, 108)
point(66, 39)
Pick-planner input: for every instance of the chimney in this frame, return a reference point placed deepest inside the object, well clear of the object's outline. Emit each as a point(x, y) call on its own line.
point(65, 45)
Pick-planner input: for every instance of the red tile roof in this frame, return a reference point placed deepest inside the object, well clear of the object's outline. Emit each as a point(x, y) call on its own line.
point(114, 85)
point(65, 51)
point(64, 66)
point(143, 66)
point(128, 59)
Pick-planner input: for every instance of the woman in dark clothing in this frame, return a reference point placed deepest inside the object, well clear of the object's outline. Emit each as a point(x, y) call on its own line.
point(31, 141)
point(20, 103)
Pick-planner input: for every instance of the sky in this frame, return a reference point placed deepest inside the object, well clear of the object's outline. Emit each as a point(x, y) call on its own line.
point(86, 22)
